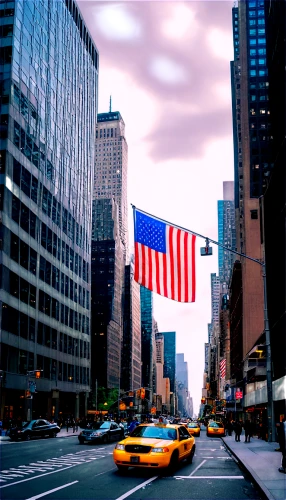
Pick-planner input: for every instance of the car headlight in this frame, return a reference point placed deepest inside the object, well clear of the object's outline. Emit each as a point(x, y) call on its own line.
point(119, 447)
point(160, 450)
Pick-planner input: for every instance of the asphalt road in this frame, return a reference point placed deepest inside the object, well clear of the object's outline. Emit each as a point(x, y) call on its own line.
point(60, 468)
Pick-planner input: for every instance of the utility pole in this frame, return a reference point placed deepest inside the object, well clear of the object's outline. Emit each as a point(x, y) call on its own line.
point(96, 395)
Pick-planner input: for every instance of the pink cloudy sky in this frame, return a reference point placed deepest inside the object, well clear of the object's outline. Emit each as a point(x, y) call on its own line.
point(167, 67)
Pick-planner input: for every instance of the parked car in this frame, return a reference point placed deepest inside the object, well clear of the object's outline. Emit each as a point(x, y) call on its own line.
point(107, 431)
point(155, 446)
point(34, 429)
point(215, 429)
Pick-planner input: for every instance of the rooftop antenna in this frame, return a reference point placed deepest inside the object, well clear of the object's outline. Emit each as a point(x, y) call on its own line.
point(110, 104)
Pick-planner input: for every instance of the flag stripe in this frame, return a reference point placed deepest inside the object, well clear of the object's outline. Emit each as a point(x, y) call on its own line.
point(193, 271)
point(157, 266)
point(136, 270)
point(179, 264)
point(150, 269)
point(186, 266)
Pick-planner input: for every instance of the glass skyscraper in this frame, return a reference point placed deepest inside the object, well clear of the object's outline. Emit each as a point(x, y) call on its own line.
point(49, 73)
point(147, 336)
point(226, 233)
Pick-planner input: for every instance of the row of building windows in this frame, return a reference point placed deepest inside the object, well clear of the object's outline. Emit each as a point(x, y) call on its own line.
point(105, 133)
point(26, 327)
point(24, 255)
point(24, 291)
point(41, 195)
point(52, 369)
point(29, 222)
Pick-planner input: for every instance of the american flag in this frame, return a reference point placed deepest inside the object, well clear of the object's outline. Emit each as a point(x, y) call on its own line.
point(164, 258)
point(222, 368)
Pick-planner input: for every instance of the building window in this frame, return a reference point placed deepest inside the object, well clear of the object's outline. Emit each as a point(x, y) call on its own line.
point(254, 214)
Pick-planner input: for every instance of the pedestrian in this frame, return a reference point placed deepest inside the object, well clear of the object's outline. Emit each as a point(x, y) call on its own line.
point(229, 428)
point(67, 424)
point(247, 431)
point(76, 424)
point(282, 442)
point(133, 424)
point(73, 425)
point(237, 430)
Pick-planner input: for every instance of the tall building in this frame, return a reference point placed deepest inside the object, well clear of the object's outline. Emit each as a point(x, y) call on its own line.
point(226, 233)
point(111, 162)
point(215, 301)
point(170, 357)
point(182, 384)
point(254, 167)
point(49, 74)
point(147, 336)
point(131, 346)
point(274, 201)
point(252, 149)
point(109, 249)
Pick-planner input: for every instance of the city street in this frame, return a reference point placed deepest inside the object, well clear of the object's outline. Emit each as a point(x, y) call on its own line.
point(60, 468)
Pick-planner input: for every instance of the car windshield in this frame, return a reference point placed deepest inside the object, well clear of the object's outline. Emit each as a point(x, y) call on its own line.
point(105, 425)
point(192, 425)
point(216, 424)
point(154, 432)
point(26, 424)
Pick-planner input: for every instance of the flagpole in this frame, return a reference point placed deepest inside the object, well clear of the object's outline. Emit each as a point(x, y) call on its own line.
point(270, 410)
point(196, 234)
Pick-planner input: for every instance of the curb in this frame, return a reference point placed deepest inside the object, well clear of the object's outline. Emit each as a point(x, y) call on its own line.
point(262, 488)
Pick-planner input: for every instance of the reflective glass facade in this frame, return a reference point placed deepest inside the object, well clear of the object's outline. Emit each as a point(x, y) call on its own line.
point(147, 336)
point(49, 73)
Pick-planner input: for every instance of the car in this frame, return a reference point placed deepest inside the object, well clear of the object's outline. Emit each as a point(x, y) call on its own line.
point(105, 432)
point(34, 429)
point(194, 429)
point(155, 446)
point(215, 429)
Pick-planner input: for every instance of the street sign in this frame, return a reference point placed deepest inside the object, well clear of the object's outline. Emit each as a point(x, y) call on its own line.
point(238, 395)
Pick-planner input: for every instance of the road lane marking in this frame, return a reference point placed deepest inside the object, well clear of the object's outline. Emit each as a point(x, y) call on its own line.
point(51, 491)
point(208, 477)
point(197, 468)
point(139, 487)
point(100, 473)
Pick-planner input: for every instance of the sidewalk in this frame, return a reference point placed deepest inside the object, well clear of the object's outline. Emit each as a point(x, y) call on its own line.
point(62, 433)
point(261, 461)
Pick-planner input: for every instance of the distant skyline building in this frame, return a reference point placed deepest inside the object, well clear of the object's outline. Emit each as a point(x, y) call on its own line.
point(169, 357)
point(215, 301)
point(182, 383)
point(131, 345)
point(147, 336)
point(111, 166)
point(226, 234)
point(109, 248)
point(47, 169)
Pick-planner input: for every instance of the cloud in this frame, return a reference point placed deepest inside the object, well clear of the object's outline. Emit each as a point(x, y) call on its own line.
point(166, 70)
point(115, 22)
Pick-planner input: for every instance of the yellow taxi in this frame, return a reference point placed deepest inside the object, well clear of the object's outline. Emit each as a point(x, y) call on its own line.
point(155, 445)
point(215, 429)
point(194, 429)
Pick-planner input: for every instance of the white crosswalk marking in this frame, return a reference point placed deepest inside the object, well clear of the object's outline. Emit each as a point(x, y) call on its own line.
point(51, 464)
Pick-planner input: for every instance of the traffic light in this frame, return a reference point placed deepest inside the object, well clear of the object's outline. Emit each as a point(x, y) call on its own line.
point(38, 373)
point(142, 393)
